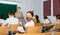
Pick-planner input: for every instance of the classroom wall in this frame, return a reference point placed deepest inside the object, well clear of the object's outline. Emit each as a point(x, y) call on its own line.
point(26, 5)
point(36, 5)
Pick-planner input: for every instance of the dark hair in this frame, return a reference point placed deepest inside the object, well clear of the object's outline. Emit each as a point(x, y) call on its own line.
point(18, 7)
point(1, 16)
point(31, 12)
point(57, 16)
point(45, 17)
point(11, 13)
point(37, 18)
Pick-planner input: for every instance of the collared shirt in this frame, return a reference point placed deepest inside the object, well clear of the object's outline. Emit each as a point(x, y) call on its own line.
point(11, 21)
point(31, 23)
point(46, 21)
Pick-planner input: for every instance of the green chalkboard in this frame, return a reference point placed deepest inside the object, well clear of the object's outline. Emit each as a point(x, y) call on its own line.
point(5, 8)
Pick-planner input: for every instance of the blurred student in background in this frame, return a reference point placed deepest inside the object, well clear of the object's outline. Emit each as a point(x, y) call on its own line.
point(11, 19)
point(47, 24)
point(30, 21)
point(58, 19)
point(20, 16)
point(36, 20)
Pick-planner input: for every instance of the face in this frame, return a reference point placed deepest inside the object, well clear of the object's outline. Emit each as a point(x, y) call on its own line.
point(11, 16)
point(18, 10)
point(29, 16)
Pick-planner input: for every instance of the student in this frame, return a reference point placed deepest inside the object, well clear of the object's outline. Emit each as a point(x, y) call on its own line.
point(47, 25)
point(19, 15)
point(11, 19)
point(46, 20)
point(36, 20)
point(30, 21)
point(58, 19)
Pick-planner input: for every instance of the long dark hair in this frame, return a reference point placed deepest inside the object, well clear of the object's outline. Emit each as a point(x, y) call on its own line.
point(37, 18)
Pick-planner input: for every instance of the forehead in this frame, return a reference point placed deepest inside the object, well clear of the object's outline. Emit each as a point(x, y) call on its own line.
point(28, 14)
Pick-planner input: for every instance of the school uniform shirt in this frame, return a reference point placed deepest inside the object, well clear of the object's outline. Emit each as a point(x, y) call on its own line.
point(17, 15)
point(11, 20)
point(2, 21)
point(20, 29)
point(31, 23)
point(46, 21)
point(57, 21)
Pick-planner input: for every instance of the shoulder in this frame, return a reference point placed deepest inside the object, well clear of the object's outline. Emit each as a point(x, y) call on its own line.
point(16, 18)
point(7, 18)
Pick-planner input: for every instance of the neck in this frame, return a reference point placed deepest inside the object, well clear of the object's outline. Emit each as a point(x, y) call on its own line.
point(29, 20)
point(11, 16)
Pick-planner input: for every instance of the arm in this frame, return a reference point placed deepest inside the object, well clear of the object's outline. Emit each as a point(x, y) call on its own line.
point(5, 23)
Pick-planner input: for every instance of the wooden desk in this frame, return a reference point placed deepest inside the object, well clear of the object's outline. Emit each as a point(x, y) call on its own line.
point(56, 33)
point(47, 33)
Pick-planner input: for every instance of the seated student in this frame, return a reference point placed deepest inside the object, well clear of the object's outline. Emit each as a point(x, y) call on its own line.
point(30, 21)
point(47, 24)
point(58, 19)
point(1, 19)
point(11, 19)
point(47, 21)
point(36, 20)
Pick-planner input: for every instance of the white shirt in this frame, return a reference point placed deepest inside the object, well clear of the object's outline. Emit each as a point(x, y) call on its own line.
point(46, 21)
point(11, 21)
point(31, 23)
point(57, 21)
point(2, 20)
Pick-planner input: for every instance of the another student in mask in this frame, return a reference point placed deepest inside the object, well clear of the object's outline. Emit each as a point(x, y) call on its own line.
point(11, 19)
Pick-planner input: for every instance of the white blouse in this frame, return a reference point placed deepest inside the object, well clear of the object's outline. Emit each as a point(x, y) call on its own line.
point(11, 21)
point(31, 23)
